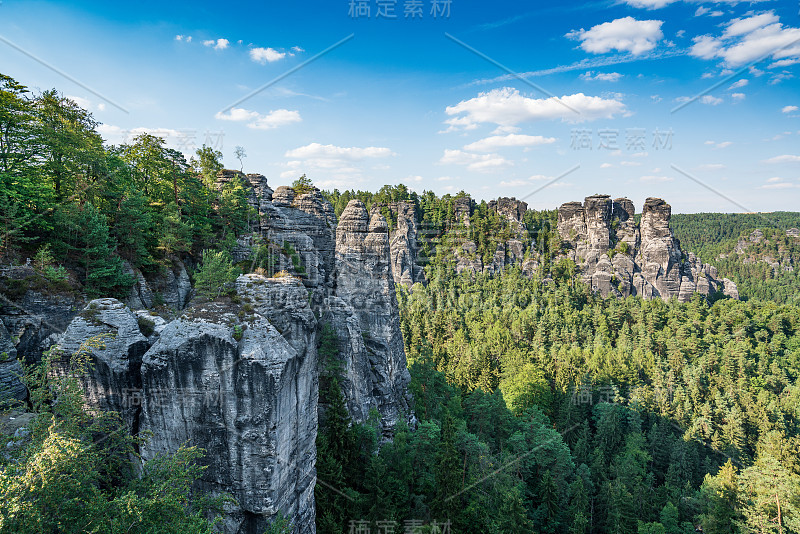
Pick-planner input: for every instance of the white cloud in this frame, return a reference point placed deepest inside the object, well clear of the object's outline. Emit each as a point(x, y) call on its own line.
point(784, 63)
point(626, 35)
point(649, 4)
point(474, 162)
point(331, 162)
point(701, 11)
point(777, 183)
point(219, 44)
point(319, 151)
point(87, 104)
point(656, 179)
point(740, 83)
point(738, 96)
point(494, 142)
point(266, 55)
point(236, 115)
point(744, 26)
point(606, 165)
point(711, 167)
point(590, 76)
point(705, 99)
point(273, 119)
point(786, 158)
point(630, 163)
point(710, 100)
point(514, 183)
point(747, 39)
point(724, 144)
point(705, 47)
point(788, 109)
point(507, 107)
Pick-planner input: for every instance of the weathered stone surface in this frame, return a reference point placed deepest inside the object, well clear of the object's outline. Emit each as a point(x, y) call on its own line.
point(11, 387)
point(283, 196)
point(251, 404)
point(403, 246)
point(375, 372)
point(114, 381)
point(511, 208)
point(463, 209)
point(618, 257)
point(35, 320)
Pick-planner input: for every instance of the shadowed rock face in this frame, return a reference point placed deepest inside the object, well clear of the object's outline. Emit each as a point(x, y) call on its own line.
point(618, 257)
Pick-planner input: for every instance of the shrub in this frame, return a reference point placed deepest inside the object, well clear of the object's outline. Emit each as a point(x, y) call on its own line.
point(217, 274)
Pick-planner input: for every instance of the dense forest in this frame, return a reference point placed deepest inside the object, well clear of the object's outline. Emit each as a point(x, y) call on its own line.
point(541, 407)
point(716, 238)
point(82, 208)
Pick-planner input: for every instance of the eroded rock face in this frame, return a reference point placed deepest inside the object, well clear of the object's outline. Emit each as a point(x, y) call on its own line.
point(37, 319)
point(403, 246)
point(11, 387)
point(171, 283)
point(364, 314)
point(250, 403)
point(110, 332)
point(618, 257)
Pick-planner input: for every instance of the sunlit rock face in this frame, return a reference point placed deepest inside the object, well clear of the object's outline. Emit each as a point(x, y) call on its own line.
point(616, 256)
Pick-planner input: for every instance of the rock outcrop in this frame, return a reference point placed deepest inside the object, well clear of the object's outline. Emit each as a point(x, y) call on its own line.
point(365, 316)
point(241, 380)
point(618, 257)
point(403, 246)
point(11, 387)
point(246, 392)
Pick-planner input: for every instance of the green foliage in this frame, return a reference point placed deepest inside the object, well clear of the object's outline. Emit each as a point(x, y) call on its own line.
point(95, 204)
point(303, 185)
point(216, 275)
point(715, 237)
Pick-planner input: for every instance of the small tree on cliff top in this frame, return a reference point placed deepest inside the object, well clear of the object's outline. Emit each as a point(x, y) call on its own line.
point(302, 185)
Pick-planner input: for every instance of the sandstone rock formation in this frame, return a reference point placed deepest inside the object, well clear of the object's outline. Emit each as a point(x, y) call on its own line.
point(365, 315)
point(618, 257)
point(403, 246)
point(243, 386)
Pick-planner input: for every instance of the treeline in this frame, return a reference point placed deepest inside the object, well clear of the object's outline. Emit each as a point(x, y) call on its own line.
point(89, 206)
point(544, 408)
point(714, 238)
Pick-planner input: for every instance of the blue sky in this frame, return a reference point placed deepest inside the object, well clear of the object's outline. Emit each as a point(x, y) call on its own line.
point(426, 101)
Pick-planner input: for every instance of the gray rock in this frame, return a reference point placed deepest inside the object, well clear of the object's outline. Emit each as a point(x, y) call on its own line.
point(11, 387)
point(251, 404)
point(113, 382)
point(644, 259)
point(365, 317)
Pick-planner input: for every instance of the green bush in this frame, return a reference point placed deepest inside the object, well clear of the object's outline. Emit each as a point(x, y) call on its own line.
point(217, 274)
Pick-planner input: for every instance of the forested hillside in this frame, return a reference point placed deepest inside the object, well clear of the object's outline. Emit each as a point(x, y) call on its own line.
point(544, 408)
point(79, 206)
point(764, 267)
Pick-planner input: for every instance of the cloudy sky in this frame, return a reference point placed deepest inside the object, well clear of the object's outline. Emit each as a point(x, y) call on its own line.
point(690, 100)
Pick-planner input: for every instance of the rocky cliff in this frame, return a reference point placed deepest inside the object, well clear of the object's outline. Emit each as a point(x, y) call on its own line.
point(617, 256)
point(404, 247)
point(239, 377)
